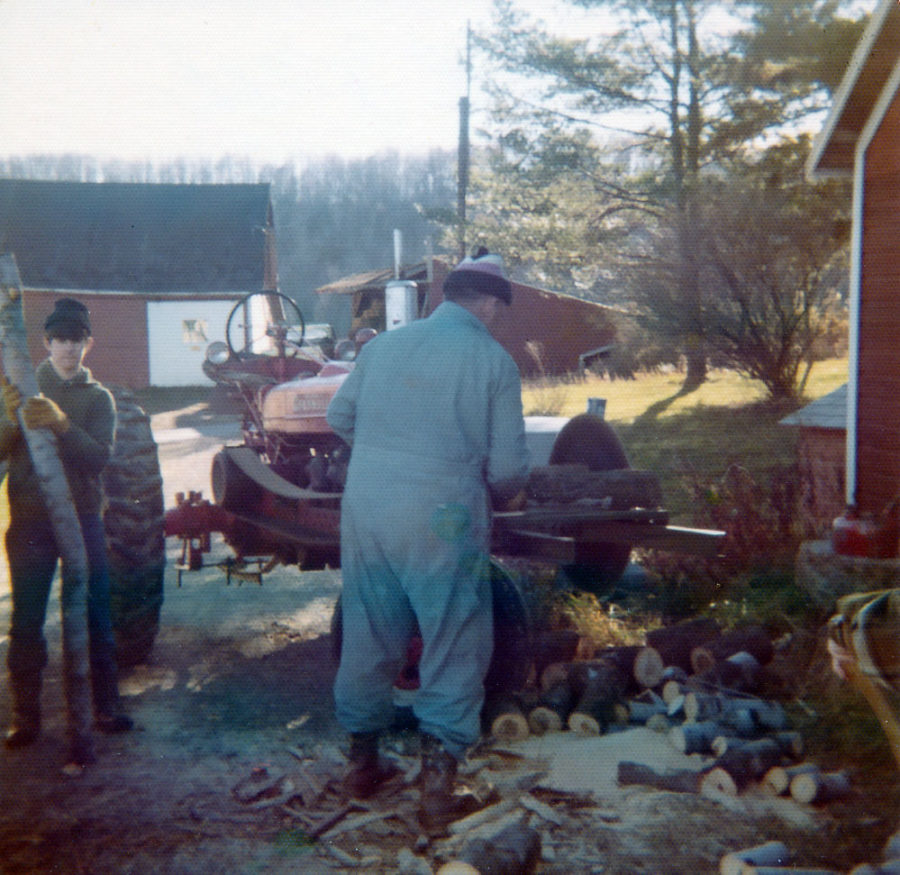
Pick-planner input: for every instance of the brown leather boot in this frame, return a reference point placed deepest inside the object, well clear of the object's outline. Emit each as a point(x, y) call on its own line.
point(368, 772)
point(24, 729)
point(440, 804)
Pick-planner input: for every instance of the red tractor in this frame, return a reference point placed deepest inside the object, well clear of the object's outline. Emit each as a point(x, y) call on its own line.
point(276, 496)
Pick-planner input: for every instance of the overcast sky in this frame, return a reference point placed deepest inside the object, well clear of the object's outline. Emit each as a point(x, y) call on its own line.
point(267, 79)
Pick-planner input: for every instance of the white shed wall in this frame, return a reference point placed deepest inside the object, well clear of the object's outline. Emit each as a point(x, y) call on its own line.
point(178, 334)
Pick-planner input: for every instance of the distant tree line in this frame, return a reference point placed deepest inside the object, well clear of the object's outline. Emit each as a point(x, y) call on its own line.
point(333, 217)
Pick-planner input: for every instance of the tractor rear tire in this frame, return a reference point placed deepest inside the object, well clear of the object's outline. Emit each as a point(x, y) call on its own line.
point(511, 657)
point(135, 540)
point(588, 440)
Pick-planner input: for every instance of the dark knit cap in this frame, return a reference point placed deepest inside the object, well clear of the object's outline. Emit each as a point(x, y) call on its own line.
point(483, 273)
point(68, 317)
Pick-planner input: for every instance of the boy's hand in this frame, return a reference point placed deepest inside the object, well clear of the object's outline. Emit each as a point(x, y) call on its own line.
point(12, 398)
point(41, 412)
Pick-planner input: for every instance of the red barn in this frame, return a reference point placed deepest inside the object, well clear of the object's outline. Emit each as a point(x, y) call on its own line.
point(861, 137)
point(547, 333)
point(159, 267)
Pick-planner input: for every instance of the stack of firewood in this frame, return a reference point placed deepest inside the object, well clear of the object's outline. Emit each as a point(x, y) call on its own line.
point(692, 681)
point(773, 857)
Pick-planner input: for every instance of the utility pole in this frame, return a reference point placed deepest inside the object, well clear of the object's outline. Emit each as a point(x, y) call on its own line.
point(462, 178)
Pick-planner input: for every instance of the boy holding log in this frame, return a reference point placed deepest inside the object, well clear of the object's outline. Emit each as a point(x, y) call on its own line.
point(81, 413)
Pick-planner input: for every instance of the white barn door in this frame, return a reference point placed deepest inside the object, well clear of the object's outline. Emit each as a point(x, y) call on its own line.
point(179, 333)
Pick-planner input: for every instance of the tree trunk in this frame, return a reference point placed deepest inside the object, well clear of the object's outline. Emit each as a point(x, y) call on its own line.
point(61, 509)
point(695, 359)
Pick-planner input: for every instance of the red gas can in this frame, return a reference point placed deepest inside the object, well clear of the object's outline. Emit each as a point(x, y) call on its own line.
point(851, 535)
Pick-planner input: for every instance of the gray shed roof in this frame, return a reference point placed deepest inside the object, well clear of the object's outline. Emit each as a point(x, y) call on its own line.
point(136, 237)
point(829, 411)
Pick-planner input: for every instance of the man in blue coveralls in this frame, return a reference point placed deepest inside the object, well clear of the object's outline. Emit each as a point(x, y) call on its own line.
point(433, 412)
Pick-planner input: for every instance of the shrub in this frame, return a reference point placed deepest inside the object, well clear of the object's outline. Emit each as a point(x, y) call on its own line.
point(761, 537)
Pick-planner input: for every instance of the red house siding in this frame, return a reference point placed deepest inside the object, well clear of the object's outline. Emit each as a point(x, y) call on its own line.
point(544, 332)
point(119, 325)
point(878, 421)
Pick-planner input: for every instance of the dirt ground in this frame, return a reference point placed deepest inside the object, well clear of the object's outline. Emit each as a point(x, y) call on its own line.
point(235, 744)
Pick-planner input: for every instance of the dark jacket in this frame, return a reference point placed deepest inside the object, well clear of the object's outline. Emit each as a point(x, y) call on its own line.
point(84, 449)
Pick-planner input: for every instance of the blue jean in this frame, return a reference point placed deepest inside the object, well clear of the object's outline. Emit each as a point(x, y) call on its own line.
point(33, 557)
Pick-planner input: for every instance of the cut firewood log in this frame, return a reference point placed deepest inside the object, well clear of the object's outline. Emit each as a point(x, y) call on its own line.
point(767, 854)
point(642, 664)
point(515, 850)
point(740, 766)
point(672, 672)
point(675, 643)
point(602, 684)
point(747, 716)
point(791, 870)
point(553, 674)
point(555, 645)
point(820, 786)
point(553, 709)
point(506, 719)
point(892, 847)
point(641, 708)
point(680, 781)
point(739, 673)
point(619, 488)
point(749, 666)
point(675, 708)
point(791, 743)
point(703, 706)
point(752, 639)
point(777, 780)
point(695, 737)
point(673, 689)
point(658, 723)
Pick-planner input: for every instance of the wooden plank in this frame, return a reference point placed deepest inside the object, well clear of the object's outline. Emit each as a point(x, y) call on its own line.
point(518, 542)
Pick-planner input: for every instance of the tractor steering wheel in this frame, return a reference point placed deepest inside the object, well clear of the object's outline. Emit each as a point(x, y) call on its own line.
point(286, 332)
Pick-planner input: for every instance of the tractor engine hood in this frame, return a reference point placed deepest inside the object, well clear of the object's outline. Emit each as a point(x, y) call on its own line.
point(299, 406)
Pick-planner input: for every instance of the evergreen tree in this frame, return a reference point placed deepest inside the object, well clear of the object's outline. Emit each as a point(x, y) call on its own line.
point(613, 137)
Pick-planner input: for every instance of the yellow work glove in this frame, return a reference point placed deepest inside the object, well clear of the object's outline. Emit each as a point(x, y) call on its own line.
point(41, 412)
point(12, 398)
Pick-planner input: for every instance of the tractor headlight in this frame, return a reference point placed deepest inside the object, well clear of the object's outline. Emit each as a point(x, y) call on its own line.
point(217, 353)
